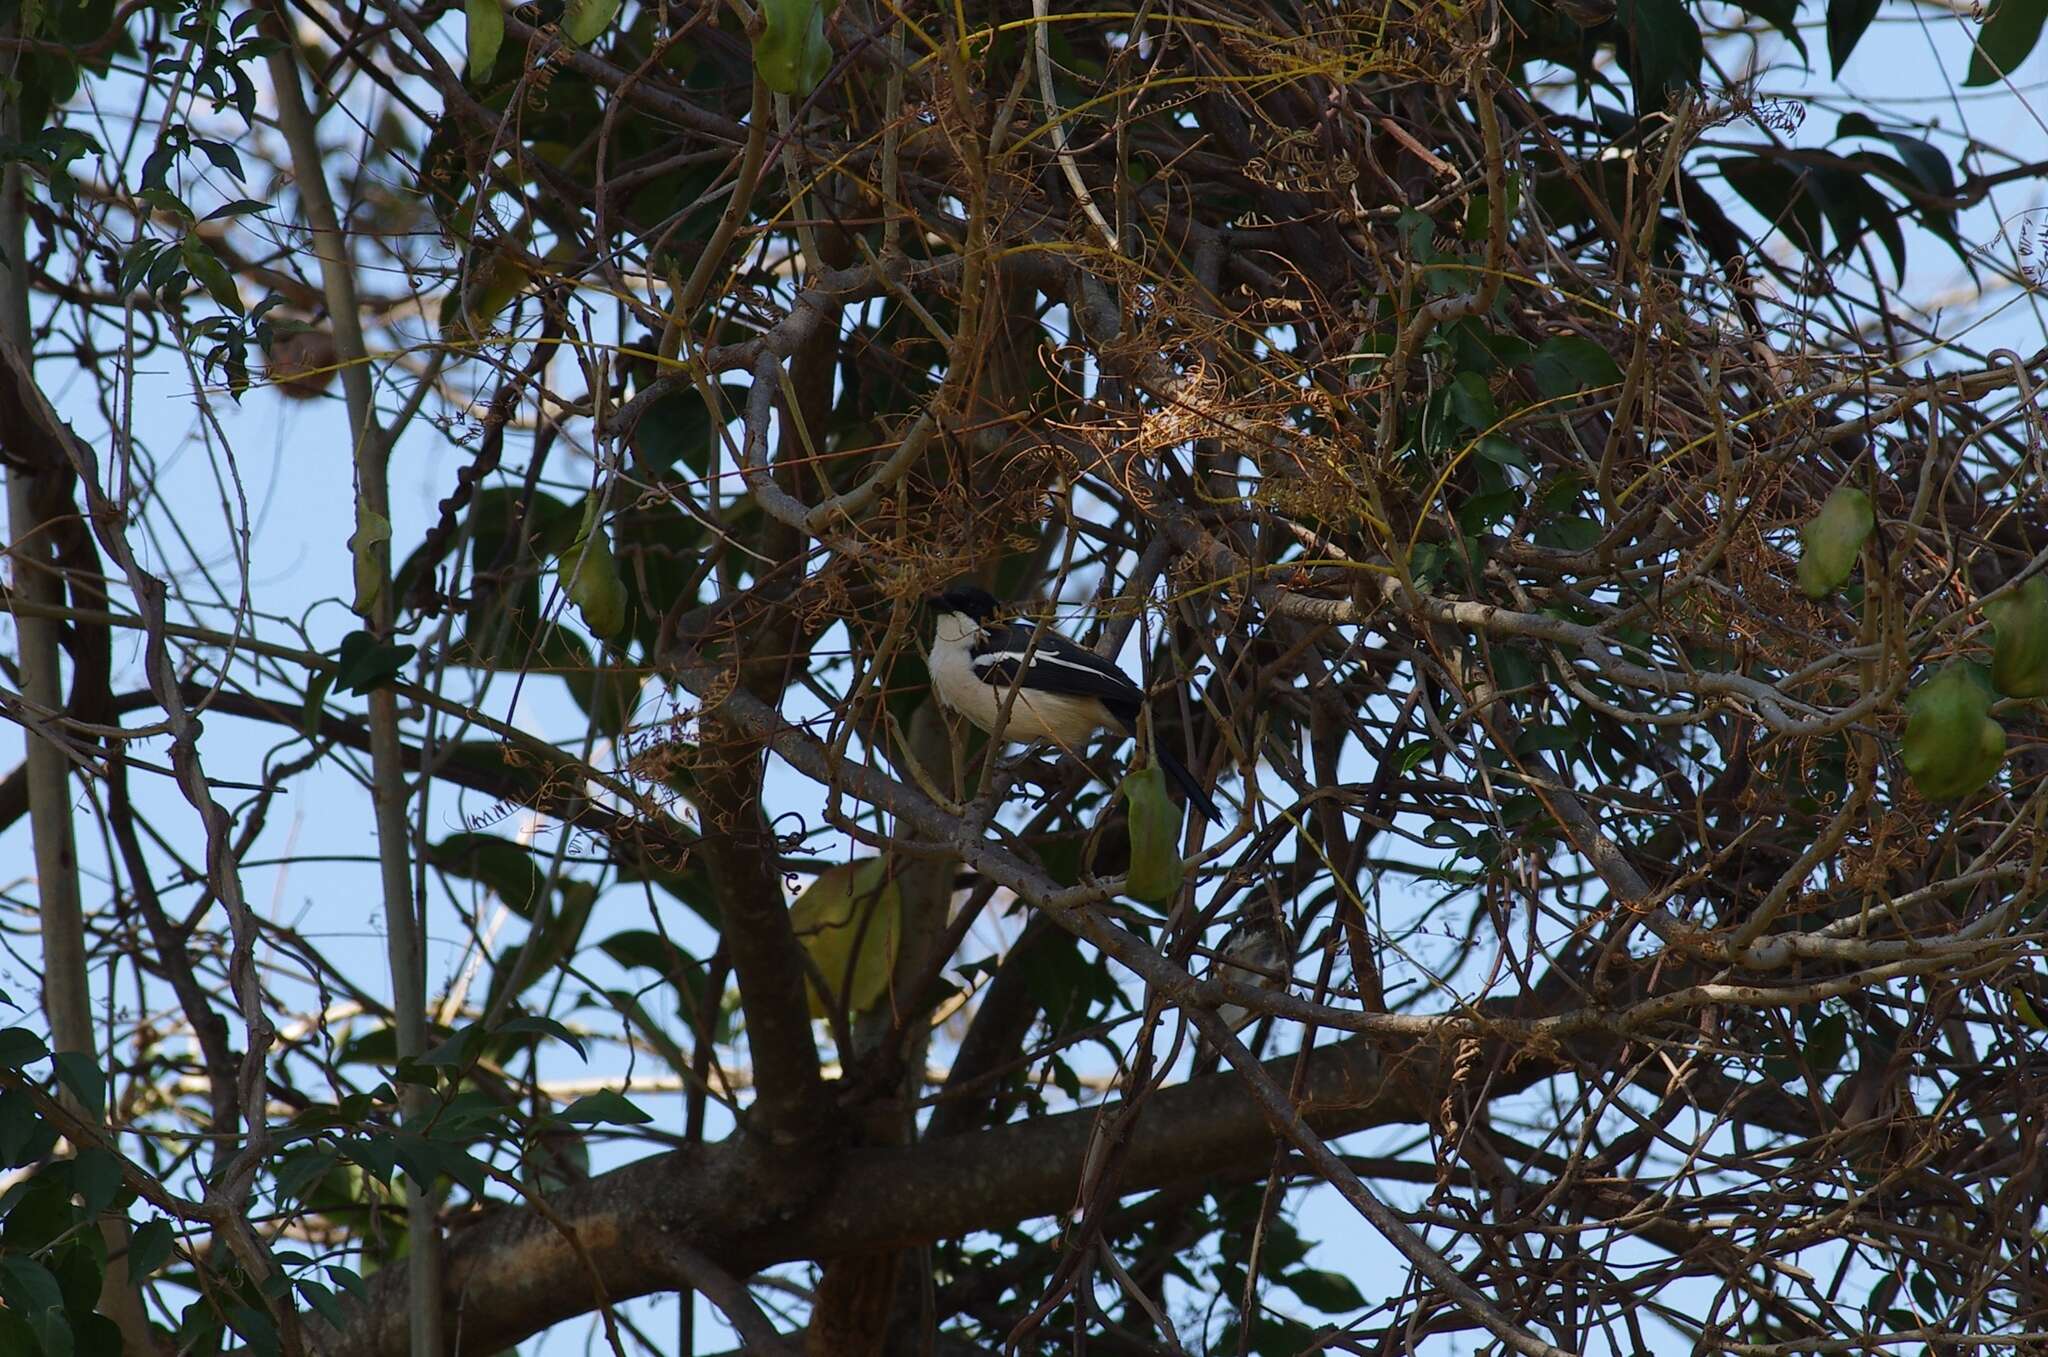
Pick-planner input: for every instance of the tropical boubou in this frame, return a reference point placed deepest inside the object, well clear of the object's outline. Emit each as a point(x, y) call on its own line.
point(1064, 692)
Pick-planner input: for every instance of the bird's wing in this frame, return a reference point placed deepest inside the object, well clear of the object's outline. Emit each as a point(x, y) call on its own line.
point(1057, 666)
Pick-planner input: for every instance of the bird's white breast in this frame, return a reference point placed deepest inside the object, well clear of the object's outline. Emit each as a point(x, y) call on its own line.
point(1066, 721)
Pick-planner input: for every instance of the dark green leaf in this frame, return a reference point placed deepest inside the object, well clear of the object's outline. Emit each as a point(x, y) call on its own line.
point(96, 1177)
point(1663, 51)
point(427, 1160)
point(1538, 738)
point(150, 1247)
point(1472, 403)
point(156, 167)
point(534, 1022)
point(1333, 1293)
point(1778, 195)
point(238, 208)
point(1827, 1041)
point(2009, 34)
point(365, 664)
point(1782, 15)
point(211, 273)
point(24, 1136)
point(507, 868)
point(28, 1285)
point(324, 1302)
point(607, 1107)
point(1847, 20)
point(1504, 452)
point(81, 1074)
point(1927, 166)
point(676, 430)
point(646, 948)
point(1568, 363)
point(455, 1052)
point(221, 154)
point(19, 1046)
point(346, 1279)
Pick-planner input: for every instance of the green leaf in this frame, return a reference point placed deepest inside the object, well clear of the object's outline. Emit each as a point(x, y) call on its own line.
point(425, 1159)
point(1535, 739)
point(211, 273)
point(1333, 1293)
point(1779, 196)
point(1847, 21)
point(1505, 452)
point(1928, 167)
point(1782, 15)
point(1831, 539)
point(80, 1073)
point(1573, 533)
point(149, 1248)
point(1156, 869)
point(2019, 661)
point(2009, 34)
point(859, 904)
point(19, 1046)
point(677, 429)
point(583, 20)
point(505, 867)
point(1663, 51)
point(535, 1022)
point(486, 35)
point(96, 1177)
point(29, 1291)
point(605, 1106)
point(363, 664)
point(1566, 364)
point(646, 948)
point(240, 207)
point(792, 53)
point(589, 575)
point(347, 1279)
point(1827, 1041)
point(455, 1052)
point(1952, 746)
point(221, 155)
point(323, 1301)
point(1472, 402)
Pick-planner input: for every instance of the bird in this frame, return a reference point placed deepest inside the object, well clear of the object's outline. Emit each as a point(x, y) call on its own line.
point(1259, 951)
point(1256, 951)
point(1067, 692)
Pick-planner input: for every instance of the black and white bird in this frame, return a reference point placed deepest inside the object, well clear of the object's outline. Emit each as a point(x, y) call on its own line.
point(1258, 950)
point(1067, 692)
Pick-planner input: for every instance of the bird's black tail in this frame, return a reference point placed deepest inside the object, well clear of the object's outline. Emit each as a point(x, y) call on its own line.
point(1196, 794)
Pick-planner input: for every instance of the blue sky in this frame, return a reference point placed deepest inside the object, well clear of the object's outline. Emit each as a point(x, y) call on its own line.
point(313, 869)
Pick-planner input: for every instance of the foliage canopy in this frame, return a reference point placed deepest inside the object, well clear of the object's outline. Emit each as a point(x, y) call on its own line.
point(1516, 441)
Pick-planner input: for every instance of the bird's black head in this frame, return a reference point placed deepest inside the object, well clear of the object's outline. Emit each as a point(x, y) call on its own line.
point(976, 602)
